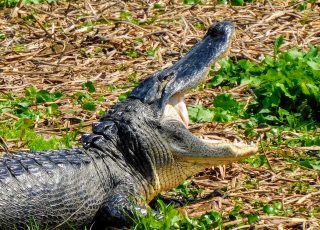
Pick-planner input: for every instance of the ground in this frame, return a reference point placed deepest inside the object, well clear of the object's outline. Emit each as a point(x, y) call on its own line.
point(64, 46)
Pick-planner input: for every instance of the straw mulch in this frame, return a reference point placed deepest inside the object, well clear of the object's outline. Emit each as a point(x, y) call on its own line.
point(61, 46)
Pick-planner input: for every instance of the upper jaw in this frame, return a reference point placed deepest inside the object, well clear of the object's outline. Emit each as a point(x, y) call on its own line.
point(162, 87)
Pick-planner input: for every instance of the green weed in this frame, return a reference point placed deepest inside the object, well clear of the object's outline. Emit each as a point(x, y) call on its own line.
point(286, 87)
point(187, 190)
point(151, 52)
point(225, 109)
point(235, 2)
point(2, 36)
point(21, 131)
point(301, 188)
point(127, 16)
point(132, 53)
point(13, 3)
point(193, 2)
point(170, 218)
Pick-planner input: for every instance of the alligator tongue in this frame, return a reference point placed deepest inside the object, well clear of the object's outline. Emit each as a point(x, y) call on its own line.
point(178, 102)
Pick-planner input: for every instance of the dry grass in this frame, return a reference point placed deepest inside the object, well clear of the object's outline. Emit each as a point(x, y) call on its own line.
point(67, 44)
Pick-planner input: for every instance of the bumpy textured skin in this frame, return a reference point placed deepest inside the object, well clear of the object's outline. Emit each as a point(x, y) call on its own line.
point(50, 187)
point(89, 186)
point(131, 155)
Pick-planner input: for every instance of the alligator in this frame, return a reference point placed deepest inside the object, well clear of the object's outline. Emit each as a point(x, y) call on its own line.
point(139, 148)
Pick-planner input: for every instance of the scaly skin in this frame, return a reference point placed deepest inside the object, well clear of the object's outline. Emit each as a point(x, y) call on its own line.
point(138, 149)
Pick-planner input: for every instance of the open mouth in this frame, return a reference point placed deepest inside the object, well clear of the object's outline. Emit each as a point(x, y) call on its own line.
point(176, 109)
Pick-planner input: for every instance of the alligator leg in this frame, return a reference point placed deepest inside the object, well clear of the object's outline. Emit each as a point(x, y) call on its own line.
point(119, 209)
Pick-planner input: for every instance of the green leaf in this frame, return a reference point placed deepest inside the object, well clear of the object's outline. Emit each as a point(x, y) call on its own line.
point(294, 54)
point(132, 53)
point(89, 106)
point(316, 166)
point(237, 2)
point(57, 95)
point(223, 2)
point(313, 52)
point(205, 115)
point(151, 52)
point(278, 42)
point(277, 205)
point(31, 92)
point(193, 113)
point(25, 103)
point(226, 102)
point(222, 115)
point(253, 218)
point(302, 6)
point(44, 96)
point(269, 209)
point(315, 91)
point(89, 86)
point(200, 114)
point(2, 36)
point(192, 2)
point(80, 96)
point(157, 6)
point(123, 96)
point(304, 88)
point(312, 164)
point(314, 65)
point(256, 161)
point(216, 217)
point(52, 109)
point(285, 91)
point(270, 118)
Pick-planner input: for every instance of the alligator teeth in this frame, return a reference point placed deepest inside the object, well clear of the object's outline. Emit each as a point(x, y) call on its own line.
point(178, 102)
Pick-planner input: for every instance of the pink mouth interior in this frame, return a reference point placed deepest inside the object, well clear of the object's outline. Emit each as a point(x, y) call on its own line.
point(178, 102)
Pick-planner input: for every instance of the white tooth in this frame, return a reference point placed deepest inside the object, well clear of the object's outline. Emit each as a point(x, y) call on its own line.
point(177, 101)
point(235, 141)
point(183, 110)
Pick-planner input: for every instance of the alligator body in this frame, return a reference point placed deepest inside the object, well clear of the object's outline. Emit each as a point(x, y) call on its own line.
point(139, 148)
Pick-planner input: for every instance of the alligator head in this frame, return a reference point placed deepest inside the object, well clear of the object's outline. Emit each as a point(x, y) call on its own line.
point(155, 116)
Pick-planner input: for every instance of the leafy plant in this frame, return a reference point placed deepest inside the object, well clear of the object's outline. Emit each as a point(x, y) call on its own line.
point(131, 53)
point(193, 2)
point(187, 190)
point(303, 5)
point(127, 16)
point(85, 98)
point(2, 36)
point(235, 2)
point(286, 90)
point(89, 86)
point(123, 96)
point(256, 161)
point(279, 41)
point(272, 208)
point(225, 108)
point(151, 52)
point(170, 218)
point(23, 131)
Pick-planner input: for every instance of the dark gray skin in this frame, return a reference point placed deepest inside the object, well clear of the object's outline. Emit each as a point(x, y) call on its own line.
point(134, 152)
